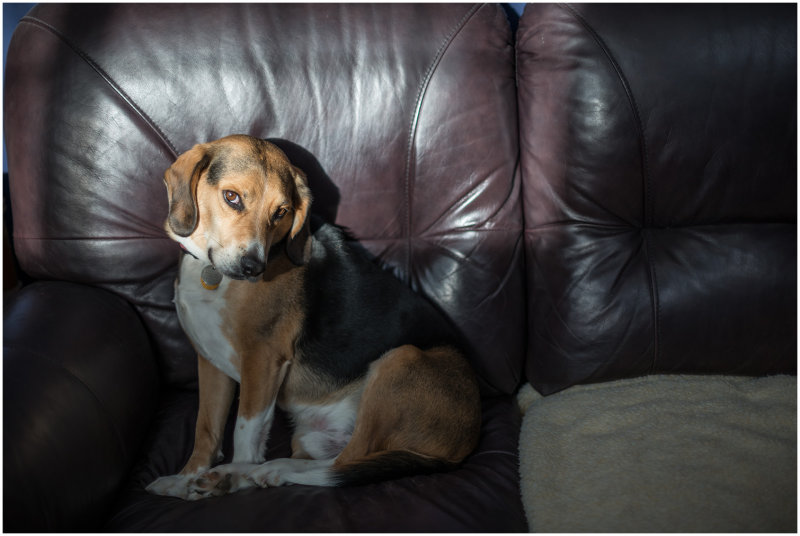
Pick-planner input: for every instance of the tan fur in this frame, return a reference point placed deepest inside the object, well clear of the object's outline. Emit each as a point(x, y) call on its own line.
point(265, 322)
point(414, 401)
point(424, 402)
point(217, 391)
point(265, 317)
point(263, 178)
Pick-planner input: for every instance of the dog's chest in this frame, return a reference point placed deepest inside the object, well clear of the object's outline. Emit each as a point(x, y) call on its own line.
point(202, 315)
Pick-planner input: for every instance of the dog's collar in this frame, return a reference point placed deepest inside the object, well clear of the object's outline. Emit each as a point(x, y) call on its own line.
point(210, 277)
point(186, 251)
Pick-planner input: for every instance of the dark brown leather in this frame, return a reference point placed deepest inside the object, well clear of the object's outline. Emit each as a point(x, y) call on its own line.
point(658, 146)
point(404, 119)
point(480, 496)
point(80, 387)
point(403, 116)
point(657, 180)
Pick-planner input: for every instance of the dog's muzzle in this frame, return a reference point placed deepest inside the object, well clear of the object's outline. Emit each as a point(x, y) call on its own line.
point(252, 265)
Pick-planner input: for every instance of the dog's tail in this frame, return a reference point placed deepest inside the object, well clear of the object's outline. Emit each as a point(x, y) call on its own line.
point(386, 465)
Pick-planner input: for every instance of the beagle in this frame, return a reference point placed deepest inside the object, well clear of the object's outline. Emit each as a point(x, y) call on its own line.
point(293, 312)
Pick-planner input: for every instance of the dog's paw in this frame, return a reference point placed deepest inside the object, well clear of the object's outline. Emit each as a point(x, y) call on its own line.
point(272, 473)
point(212, 483)
point(171, 486)
point(221, 480)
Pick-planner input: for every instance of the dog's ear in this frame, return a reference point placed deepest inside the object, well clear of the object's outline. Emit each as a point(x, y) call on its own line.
point(297, 243)
point(181, 179)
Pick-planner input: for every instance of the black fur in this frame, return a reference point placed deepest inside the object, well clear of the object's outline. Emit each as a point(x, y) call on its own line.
point(355, 311)
point(387, 466)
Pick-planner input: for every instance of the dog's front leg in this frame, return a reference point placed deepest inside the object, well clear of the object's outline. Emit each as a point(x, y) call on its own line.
point(261, 381)
point(216, 394)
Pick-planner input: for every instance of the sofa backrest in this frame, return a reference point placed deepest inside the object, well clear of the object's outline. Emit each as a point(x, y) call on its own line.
point(658, 150)
point(403, 116)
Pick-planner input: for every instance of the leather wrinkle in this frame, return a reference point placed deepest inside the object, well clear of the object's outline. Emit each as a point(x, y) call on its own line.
point(412, 132)
point(507, 275)
point(90, 238)
point(493, 452)
point(489, 217)
point(106, 78)
point(655, 306)
point(647, 216)
point(555, 304)
point(448, 232)
point(655, 302)
point(612, 227)
point(554, 312)
point(70, 374)
point(465, 259)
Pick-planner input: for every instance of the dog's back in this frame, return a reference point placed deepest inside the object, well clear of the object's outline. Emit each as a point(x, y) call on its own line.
point(355, 311)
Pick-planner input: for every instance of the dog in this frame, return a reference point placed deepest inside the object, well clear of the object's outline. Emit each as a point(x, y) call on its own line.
point(370, 373)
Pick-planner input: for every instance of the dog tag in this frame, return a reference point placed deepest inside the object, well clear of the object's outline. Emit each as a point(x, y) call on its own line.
point(210, 278)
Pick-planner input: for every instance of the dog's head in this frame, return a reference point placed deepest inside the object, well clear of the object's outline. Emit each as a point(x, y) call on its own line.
point(232, 199)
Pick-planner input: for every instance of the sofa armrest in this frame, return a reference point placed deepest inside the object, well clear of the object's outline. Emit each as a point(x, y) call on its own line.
point(79, 389)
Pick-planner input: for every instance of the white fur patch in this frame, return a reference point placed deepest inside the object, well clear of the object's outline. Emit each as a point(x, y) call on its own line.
point(235, 477)
point(171, 486)
point(250, 436)
point(199, 311)
point(191, 247)
point(324, 430)
point(292, 471)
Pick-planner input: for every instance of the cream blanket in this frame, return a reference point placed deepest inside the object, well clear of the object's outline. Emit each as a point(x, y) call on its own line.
point(662, 454)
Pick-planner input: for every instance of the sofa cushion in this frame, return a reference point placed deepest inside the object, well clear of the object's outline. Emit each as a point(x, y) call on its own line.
point(482, 495)
point(658, 150)
point(663, 454)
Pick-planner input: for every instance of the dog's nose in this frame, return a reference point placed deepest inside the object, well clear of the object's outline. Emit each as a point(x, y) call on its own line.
point(252, 266)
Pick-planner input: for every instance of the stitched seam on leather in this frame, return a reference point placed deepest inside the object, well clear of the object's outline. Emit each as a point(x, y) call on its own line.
point(107, 78)
point(89, 238)
point(518, 252)
point(493, 452)
point(412, 132)
point(656, 303)
point(513, 187)
point(647, 217)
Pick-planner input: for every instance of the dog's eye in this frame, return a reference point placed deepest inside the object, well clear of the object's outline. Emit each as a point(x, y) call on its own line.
point(233, 199)
point(280, 213)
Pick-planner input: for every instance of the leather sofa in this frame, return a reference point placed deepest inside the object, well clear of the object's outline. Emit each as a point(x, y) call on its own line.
point(608, 194)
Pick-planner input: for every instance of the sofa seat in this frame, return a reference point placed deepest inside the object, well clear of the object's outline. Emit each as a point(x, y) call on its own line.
point(662, 454)
point(481, 496)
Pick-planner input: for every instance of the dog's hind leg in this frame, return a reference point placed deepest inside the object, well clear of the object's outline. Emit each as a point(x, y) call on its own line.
point(420, 413)
point(292, 471)
point(233, 477)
